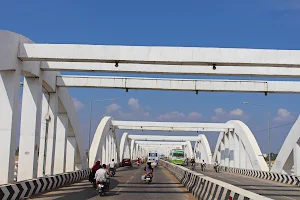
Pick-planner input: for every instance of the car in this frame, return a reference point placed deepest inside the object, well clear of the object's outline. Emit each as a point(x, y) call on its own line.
point(126, 162)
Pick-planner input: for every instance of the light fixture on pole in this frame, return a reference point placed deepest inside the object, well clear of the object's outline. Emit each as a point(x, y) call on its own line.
point(91, 108)
point(269, 135)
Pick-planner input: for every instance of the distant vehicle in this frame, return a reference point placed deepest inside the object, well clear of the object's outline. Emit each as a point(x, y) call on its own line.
point(153, 157)
point(162, 156)
point(126, 162)
point(177, 157)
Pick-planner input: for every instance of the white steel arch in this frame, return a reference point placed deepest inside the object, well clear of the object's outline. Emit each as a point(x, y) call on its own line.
point(238, 148)
point(289, 154)
point(43, 105)
point(202, 150)
point(104, 146)
point(125, 149)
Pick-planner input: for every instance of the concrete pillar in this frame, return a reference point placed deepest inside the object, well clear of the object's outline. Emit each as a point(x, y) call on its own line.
point(9, 103)
point(78, 161)
point(107, 150)
point(297, 160)
point(231, 149)
point(103, 152)
point(30, 128)
point(70, 154)
point(242, 155)
point(60, 144)
point(48, 134)
point(226, 143)
point(236, 151)
point(222, 151)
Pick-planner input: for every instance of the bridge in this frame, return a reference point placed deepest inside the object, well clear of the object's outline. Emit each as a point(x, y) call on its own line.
point(51, 149)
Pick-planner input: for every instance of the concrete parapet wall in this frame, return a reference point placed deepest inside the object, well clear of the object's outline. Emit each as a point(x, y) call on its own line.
point(25, 189)
point(203, 187)
point(282, 178)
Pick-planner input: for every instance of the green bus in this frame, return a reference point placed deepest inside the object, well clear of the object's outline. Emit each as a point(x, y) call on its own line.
point(177, 157)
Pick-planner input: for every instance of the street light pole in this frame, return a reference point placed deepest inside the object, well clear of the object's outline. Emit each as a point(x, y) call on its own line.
point(90, 127)
point(269, 134)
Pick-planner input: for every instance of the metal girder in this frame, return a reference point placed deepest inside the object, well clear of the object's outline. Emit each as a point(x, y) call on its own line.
point(180, 84)
point(159, 55)
point(172, 69)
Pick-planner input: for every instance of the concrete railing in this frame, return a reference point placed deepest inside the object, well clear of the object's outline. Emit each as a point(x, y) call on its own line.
point(25, 189)
point(281, 178)
point(203, 187)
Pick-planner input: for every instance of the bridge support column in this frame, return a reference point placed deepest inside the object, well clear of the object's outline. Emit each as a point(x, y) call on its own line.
point(60, 144)
point(30, 128)
point(226, 143)
point(236, 151)
point(242, 155)
point(48, 134)
point(297, 159)
point(9, 101)
point(70, 154)
point(222, 150)
point(231, 148)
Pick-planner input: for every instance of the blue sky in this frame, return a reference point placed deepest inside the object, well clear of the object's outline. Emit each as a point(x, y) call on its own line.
point(251, 24)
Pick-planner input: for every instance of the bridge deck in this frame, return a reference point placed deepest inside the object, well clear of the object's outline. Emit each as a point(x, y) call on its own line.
point(126, 185)
point(271, 189)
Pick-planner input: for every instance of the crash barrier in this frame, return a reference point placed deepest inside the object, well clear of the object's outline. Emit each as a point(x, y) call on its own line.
point(203, 187)
point(25, 189)
point(281, 178)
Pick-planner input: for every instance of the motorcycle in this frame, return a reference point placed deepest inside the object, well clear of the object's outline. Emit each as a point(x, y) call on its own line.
point(217, 168)
point(193, 166)
point(112, 172)
point(101, 188)
point(203, 167)
point(148, 178)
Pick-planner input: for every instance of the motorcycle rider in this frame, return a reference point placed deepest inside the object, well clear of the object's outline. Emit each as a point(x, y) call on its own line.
point(216, 164)
point(203, 165)
point(101, 175)
point(193, 162)
point(112, 166)
point(96, 166)
point(148, 170)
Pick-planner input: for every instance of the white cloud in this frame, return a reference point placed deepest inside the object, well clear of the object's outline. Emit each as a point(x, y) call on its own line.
point(134, 103)
point(194, 116)
point(284, 115)
point(219, 111)
point(222, 116)
point(171, 116)
point(77, 104)
point(134, 112)
point(112, 107)
point(236, 112)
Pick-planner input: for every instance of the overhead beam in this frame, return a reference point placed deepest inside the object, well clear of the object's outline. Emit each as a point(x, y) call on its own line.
point(172, 69)
point(159, 143)
point(159, 55)
point(179, 84)
point(163, 138)
point(171, 126)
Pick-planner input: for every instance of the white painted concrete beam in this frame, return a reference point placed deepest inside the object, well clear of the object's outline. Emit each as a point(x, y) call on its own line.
point(149, 124)
point(163, 138)
point(159, 55)
point(180, 84)
point(155, 128)
point(159, 143)
point(172, 69)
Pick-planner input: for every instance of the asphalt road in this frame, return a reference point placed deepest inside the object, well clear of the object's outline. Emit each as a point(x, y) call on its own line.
point(271, 189)
point(126, 185)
